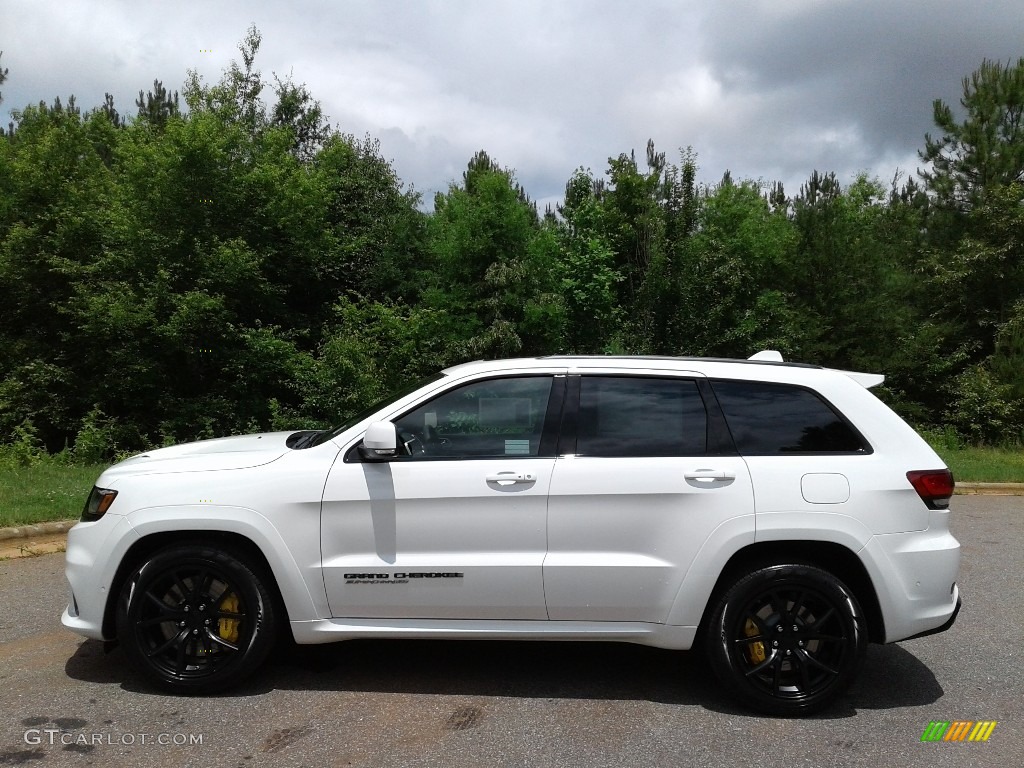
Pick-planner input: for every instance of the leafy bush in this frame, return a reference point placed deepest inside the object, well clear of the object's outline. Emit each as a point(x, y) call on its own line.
point(946, 439)
point(25, 449)
point(983, 409)
point(94, 442)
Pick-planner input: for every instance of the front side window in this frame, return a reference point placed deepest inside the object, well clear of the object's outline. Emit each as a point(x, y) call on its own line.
point(640, 416)
point(770, 419)
point(494, 417)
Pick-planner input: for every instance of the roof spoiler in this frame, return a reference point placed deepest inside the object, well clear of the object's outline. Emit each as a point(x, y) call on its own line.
point(866, 380)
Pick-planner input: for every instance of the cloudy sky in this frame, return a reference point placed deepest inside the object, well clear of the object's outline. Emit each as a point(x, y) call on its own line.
point(770, 89)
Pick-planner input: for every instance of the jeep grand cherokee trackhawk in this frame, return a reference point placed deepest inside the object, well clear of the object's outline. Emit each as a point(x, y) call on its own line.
point(778, 512)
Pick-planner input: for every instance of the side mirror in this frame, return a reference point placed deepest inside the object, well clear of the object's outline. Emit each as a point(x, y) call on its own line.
point(380, 443)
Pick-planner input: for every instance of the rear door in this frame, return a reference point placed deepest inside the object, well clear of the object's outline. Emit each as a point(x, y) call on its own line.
point(644, 477)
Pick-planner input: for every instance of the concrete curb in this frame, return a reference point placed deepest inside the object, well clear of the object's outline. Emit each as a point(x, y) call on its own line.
point(36, 529)
point(990, 489)
point(61, 526)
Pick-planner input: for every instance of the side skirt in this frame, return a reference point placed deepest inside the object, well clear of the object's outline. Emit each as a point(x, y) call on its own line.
point(333, 630)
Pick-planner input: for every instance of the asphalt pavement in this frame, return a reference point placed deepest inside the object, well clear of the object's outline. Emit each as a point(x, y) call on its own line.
point(390, 703)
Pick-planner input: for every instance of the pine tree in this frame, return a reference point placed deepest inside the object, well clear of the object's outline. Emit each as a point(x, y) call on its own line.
point(3, 77)
point(112, 114)
point(9, 133)
point(156, 106)
point(986, 148)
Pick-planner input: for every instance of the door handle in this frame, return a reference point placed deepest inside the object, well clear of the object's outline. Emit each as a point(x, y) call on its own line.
point(709, 475)
point(511, 478)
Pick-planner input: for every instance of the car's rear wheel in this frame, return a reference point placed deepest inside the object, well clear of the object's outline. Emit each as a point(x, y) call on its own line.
point(787, 639)
point(195, 619)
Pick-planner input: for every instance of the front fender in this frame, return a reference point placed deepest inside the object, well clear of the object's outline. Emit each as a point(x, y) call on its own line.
point(293, 553)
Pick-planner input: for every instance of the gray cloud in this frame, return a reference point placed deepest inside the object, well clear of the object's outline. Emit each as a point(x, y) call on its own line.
point(770, 90)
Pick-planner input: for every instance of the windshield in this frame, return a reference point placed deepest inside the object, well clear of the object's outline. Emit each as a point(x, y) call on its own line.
point(326, 435)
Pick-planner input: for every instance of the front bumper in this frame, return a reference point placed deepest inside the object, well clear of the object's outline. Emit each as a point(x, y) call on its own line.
point(93, 554)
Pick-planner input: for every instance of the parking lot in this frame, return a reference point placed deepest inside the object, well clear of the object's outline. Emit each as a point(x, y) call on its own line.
point(65, 702)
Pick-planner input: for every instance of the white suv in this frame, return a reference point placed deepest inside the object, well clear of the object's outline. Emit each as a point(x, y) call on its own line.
point(779, 513)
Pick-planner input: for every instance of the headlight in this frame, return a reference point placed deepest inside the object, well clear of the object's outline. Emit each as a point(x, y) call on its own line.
point(97, 504)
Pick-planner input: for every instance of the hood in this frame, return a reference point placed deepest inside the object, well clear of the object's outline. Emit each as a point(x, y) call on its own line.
point(239, 452)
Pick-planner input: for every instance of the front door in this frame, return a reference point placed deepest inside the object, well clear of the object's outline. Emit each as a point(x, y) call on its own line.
point(456, 528)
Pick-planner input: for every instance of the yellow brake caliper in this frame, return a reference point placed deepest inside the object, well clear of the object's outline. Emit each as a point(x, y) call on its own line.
point(756, 650)
point(228, 628)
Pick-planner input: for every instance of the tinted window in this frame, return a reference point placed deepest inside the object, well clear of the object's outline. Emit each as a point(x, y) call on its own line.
point(621, 416)
point(496, 417)
point(769, 419)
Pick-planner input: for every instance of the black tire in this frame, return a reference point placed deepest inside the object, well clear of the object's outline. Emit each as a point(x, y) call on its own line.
point(195, 619)
point(787, 639)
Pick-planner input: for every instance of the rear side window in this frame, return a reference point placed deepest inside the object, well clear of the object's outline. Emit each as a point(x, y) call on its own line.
point(768, 419)
point(635, 416)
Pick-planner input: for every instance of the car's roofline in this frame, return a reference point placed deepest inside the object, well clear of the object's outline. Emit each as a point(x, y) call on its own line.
point(610, 361)
point(708, 366)
point(684, 359)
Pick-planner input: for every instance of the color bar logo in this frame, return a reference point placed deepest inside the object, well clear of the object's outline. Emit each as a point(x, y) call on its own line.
point(958, 730)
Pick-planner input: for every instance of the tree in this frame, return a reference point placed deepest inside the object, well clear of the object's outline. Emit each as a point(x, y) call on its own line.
point(656, 315)
point(634, 217)
point(155, 108)
point(3, 77)
point(9, 133)
point(111, 112)
point(375, 234)
point(586, 273)
point(975, 246)
point(730, 289)
point(985, 149)
point(172, 277)
point(298, 111)
point(981, 279)
point(55, 220)
point(494, 264)
point(237, 96)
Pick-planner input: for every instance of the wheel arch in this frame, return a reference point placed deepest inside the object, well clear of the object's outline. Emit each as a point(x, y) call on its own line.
point(232, 541)
point(833, 558)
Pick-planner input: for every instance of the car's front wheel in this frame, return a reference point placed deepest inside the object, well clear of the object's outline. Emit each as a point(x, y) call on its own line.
point(195, 619)
point(787, 639)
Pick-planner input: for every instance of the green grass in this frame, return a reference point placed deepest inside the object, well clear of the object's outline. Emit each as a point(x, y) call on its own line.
point(984, 465)
point(44, 491)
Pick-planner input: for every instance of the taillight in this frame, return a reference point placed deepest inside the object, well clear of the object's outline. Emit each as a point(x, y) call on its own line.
point(934, 486)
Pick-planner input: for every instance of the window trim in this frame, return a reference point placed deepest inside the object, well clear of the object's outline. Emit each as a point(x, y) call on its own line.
point(720, 442)
point(866, 450)
point(549, 429)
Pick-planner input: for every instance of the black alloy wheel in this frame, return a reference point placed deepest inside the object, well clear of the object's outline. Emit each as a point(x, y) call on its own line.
point(787, 639)
point(195, 619)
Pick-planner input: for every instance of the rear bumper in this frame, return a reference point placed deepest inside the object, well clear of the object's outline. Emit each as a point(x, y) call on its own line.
point(944, 627)
point(914, 575)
